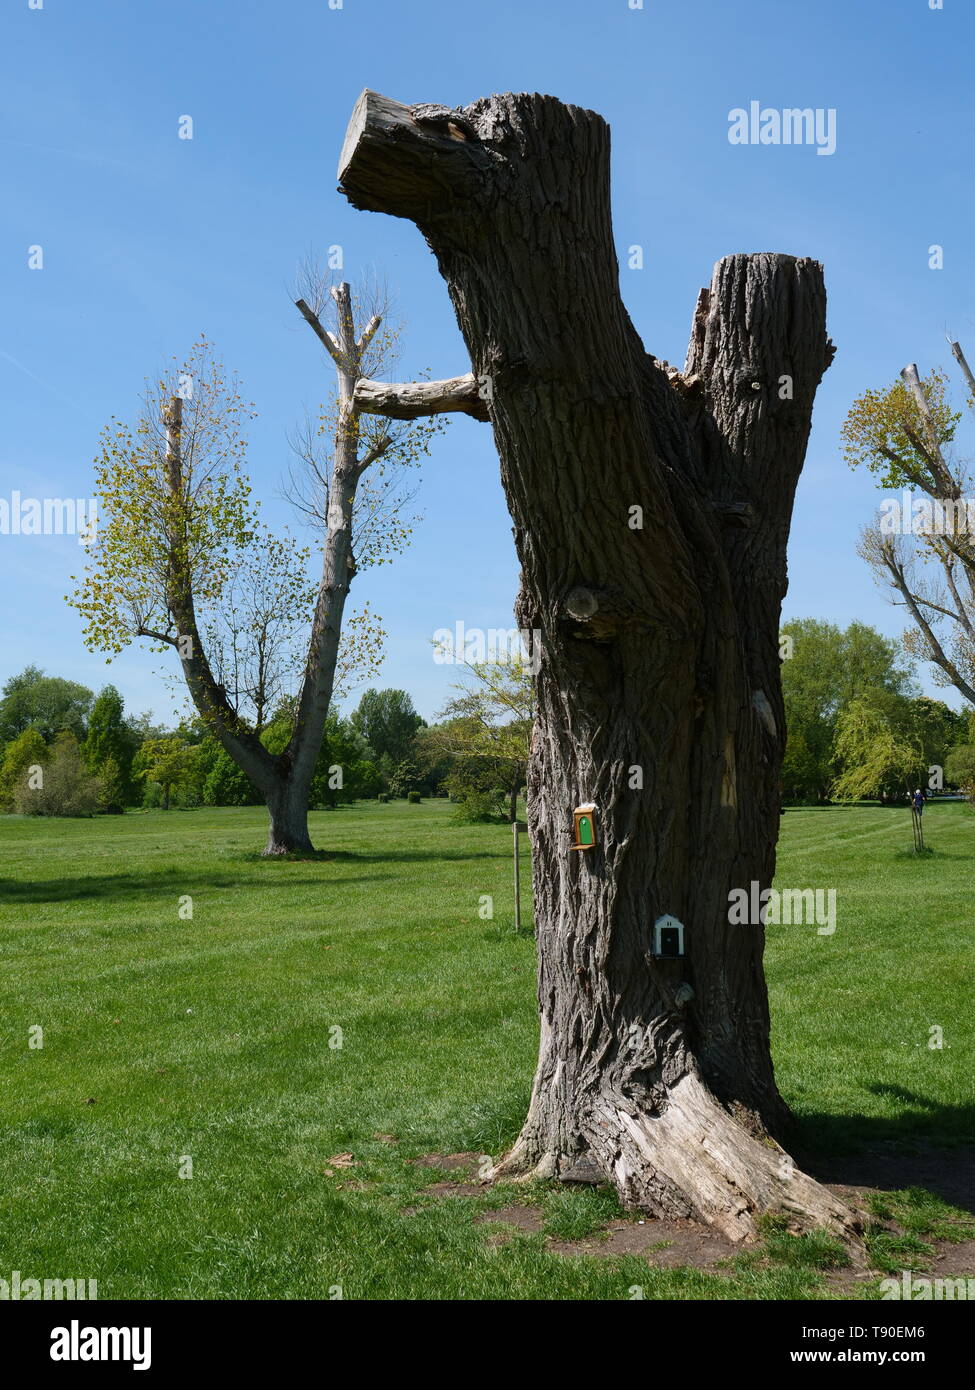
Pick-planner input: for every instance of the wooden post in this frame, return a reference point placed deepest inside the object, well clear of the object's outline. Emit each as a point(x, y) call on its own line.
point(514, 832)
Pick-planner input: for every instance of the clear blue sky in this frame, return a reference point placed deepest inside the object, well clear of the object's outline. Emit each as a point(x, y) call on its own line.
point(150, 240)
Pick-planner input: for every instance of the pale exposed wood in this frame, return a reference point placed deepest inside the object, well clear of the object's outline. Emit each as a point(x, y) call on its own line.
point(946, 485)
point(368, 333)
point(328, 340)
point(962, 360)
point(375, 117)
point(408, 400)
point(315, 695)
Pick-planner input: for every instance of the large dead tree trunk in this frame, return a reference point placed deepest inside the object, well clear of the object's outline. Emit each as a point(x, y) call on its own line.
point(658, 686)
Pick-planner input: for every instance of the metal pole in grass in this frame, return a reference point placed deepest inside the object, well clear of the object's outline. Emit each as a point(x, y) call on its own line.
point(515, 827)
point(917, 810)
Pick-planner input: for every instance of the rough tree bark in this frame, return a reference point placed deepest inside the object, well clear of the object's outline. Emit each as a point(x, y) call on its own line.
point(659, 640)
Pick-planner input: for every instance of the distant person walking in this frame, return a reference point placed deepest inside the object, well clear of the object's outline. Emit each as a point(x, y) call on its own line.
point(918, 800)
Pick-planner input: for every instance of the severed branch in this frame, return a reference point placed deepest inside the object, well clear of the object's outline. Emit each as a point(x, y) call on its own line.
point(328, 340)
point(402, 159)
point(343, 305)
point(962, 360)
point(368, 333)
point(932, 454)
point(410, 400)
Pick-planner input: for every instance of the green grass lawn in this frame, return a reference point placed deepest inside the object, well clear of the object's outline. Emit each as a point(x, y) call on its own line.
point(213, 1038)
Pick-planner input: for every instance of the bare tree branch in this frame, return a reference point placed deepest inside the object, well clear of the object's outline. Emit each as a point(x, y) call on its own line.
point(327, 339)
point(962, 360)
point(412, 399)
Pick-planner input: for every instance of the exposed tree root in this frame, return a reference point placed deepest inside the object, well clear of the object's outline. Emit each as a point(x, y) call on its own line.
point(689, 1160)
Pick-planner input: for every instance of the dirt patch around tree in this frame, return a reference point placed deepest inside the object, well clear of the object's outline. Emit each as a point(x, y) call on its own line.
point(454, 1189)
point(515, 1218)
point(666, 1244)
point(948, 1173)
point(448, 1163)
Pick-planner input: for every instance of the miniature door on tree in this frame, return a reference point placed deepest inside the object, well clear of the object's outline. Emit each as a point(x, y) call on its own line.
point(668, 937)
point(584, 825)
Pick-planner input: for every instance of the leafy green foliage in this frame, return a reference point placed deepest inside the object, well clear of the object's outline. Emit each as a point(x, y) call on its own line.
point(388, 722)
point(224, 784)
point(886, 432)
point(877, 759)
point(960, 768)
point(25, 751)
point(48, 704)
point(169, 762)
point(109, 749)
point(405, 779)
point(484, 738)
point(153, 536)
point(828, 669)
point(65, 787)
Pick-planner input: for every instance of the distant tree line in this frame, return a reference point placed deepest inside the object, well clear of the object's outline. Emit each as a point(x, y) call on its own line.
point(66, 751)
point(858, 726)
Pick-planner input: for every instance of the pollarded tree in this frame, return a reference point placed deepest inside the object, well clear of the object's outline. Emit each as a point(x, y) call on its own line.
point(651, 511)
point(926, 559)
point(180, 558)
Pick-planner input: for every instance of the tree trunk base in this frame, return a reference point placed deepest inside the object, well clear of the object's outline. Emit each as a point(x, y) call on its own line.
point(690, 1160)
point(288, 829)
point(276, 846)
